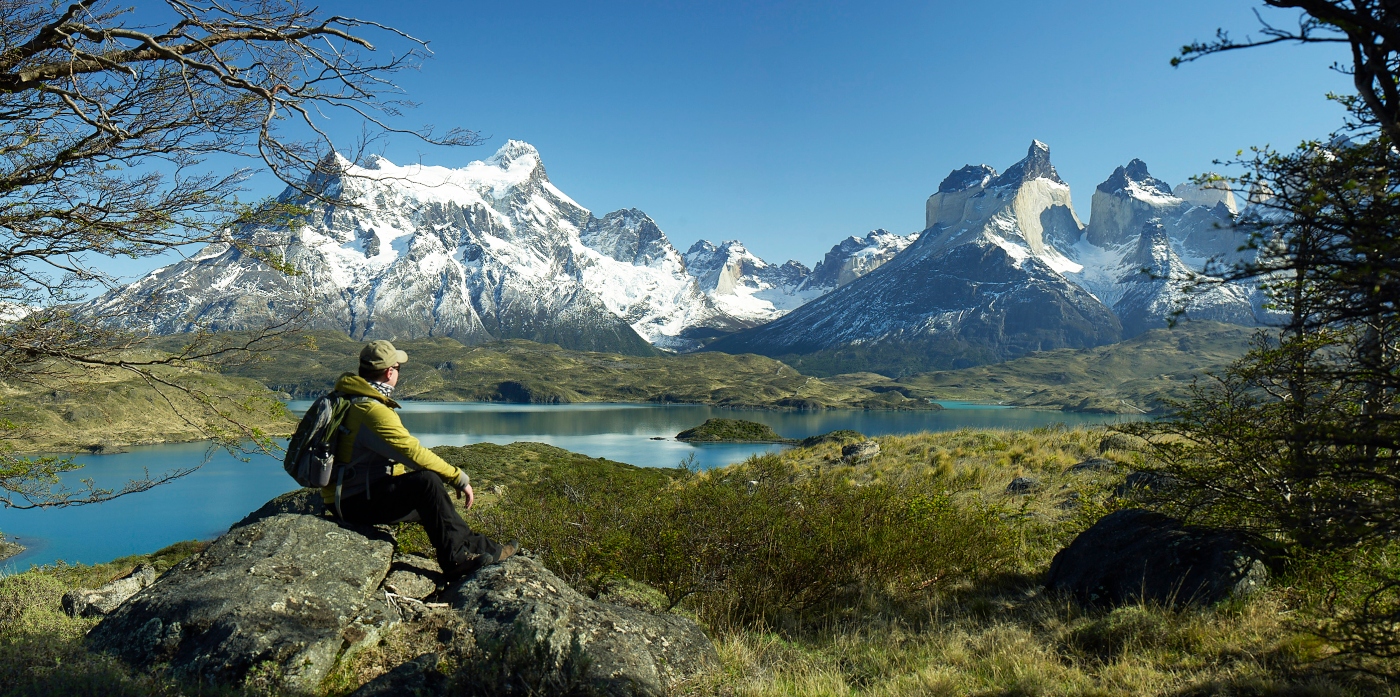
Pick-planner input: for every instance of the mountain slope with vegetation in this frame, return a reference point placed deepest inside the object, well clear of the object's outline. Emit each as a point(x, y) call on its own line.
point(524, 371)
point(1140, 375)
point(108, 409)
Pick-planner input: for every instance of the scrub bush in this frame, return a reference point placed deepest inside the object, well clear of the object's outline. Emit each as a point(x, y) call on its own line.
point(756, 542)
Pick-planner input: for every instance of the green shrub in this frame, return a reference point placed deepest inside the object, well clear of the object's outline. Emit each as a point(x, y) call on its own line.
point(750, 543)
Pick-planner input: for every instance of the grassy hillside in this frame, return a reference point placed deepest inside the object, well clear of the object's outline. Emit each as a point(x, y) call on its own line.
point(523, 371)
point(804, 590)
point(1135, 376)
point(109, 409)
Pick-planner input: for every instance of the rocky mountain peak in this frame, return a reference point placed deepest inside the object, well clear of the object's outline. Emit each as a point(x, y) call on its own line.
point(1134, 176)
point(1211, 192)
point(628, 235)
point(1036, 165)
point(854, 257)
point(971, 176)
point(514, 151)
point(744, 286)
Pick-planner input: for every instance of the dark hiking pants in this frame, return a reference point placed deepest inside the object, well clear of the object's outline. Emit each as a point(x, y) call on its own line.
point(392, 499)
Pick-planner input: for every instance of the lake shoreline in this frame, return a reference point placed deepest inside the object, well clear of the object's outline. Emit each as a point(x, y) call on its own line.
point(122, 446)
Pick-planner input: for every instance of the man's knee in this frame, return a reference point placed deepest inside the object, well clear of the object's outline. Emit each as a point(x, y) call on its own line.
point(421, 483)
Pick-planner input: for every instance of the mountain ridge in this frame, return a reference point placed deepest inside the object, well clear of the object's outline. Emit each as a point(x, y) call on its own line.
point(494, 251)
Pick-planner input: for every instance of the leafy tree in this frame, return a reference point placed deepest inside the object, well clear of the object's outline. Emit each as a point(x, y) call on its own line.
point(1298, 444)
point(108, 119)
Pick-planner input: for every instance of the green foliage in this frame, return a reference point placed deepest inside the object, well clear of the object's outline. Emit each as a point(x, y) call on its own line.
point(731, 430)
point(1298, 442)
point(754, 542)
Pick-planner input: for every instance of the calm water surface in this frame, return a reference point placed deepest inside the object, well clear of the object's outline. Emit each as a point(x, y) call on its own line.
point(203, 505)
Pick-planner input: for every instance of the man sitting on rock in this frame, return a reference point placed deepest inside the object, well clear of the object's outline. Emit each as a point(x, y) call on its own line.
point(383, 475)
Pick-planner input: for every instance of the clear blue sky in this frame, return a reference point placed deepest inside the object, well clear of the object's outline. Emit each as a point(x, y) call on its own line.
point(790, 125)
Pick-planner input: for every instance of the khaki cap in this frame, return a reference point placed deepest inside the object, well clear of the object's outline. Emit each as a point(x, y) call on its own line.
point(378, 355)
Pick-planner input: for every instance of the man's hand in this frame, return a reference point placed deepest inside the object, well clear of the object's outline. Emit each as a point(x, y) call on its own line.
point(463, 485)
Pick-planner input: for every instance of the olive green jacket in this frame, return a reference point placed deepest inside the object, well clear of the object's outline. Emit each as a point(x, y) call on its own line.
point(375, 443)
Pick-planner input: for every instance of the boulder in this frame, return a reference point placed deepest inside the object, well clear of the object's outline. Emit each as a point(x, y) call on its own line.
point(1118, 441)
point(412, 576)
point(1095, 464)
point(302, 501)
point(1022, 485)
point(860, 452)
point(274, 602)
point(86, 602)
point(1070, 502)
point(1133, 555)
point(1145, 483)
point(536, 635)
point(419, 677)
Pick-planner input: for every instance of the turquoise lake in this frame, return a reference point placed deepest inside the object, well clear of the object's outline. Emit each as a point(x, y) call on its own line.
point(203, 505)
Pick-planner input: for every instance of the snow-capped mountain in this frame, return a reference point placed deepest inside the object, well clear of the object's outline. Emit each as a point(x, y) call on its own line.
point(1005, 267)
point(491, 250)
point(983, 282)
point(1158, 286)
point(494, 250)
point(1145, 249)
point(743, 286)
point(854, 257)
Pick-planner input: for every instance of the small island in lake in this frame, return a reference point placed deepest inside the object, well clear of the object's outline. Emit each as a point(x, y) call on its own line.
point(731, 431)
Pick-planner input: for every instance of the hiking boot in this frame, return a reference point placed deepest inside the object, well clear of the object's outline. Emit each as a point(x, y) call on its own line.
point(468, 565)
point(508, 550)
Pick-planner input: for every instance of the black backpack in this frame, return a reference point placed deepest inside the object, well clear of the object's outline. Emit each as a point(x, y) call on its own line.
point(311, 452)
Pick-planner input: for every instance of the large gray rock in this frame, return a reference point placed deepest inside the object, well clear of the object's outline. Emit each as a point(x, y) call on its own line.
point(417, 678)
point(1133, 555)
point(413, 576)
point(92, 602)
point(860, 452)
point(302, 501)
point(281, 598)
point(536, 635)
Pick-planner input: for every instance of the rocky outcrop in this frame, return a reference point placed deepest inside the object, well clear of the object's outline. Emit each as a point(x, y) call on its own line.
point(860, 452)
point(86, 602)
point(419, 677)
point(1022, 485)
point(412, 576)
point(854, 257)
point(282, 598)
point(533, 632)
point(1136, 555)
point(288, 593)
point(1125, 201)
point(299, 501)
